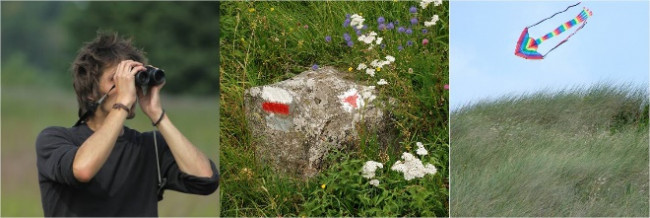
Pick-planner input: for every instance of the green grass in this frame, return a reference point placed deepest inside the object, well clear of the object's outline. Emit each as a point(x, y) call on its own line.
point(577, 152)
point(26, 110)
point(267, 42)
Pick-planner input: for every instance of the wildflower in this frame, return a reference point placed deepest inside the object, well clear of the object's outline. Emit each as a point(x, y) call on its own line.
point(369, 169)
point(390, 26)
point(425, 3)
point(350, 69)
point(242, 39)
point(382, 82)
point(362, 66)
point(409, 43)
point(382, 46)
point(370, 72)
point(374, 182)
point(410, 70)
point(432, 22)
point(347, 15)
point(421, 151)
point(399, 48)
point(368, 38)
point(276, 39)
point(412, 167)
point(323, 186)
point(390, 58)
point(358, 32)
point(446, 86)
point(350, 43)
point(378, 69)
point(425, 31)
point(357, 21)
point(401, 29)
point(346, 23)
point(346, 37)
point(306, 26)
point(414, 21)
point(381, 20)
point(272, 9)
point(314, 67)
point(381, 27)
point(251, 10)
point(365, 27)
point(425, 41)
point(409, 31)
point(379, 39)
point(413, 10)
point(328, 38)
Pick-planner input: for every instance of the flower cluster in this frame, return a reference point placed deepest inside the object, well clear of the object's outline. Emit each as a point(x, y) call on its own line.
point(425, 3)
point(369, 169)
point(412, 167)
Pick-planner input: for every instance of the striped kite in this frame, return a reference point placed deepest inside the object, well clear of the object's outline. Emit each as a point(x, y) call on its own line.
point(527, 46)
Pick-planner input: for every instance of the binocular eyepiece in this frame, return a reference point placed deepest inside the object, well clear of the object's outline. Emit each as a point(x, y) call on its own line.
point(150, 77)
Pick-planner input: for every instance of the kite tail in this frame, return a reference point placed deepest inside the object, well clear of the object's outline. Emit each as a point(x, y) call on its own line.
point(567, 8)
point(567, 38)
point(582, 17)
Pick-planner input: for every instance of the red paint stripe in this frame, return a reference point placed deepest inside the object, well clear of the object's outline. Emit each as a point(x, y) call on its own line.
point(276, 108)
point(352, 100)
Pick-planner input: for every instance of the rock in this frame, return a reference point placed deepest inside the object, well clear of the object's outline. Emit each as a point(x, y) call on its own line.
point(296, 122)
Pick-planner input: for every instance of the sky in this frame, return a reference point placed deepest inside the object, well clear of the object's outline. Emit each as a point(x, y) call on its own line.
point(612, 48)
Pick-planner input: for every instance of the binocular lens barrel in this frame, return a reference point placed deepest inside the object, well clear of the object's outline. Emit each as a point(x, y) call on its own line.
point(150, 77)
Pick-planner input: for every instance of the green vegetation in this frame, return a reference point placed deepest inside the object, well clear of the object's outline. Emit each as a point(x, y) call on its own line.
point(267, 42)
point(577, 152)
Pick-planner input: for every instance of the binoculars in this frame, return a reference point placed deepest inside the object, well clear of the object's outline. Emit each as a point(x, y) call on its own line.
point(150, 77)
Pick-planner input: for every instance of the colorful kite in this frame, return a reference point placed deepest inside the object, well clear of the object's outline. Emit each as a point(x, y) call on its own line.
point(527, 46)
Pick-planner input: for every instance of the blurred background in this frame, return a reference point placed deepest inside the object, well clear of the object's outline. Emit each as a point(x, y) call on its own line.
point(39, 42)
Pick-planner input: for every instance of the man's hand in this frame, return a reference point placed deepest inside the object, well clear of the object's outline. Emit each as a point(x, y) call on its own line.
point(124, 79)
point(150, 103)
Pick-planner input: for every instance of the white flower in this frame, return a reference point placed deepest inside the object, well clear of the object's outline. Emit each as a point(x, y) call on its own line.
point(390, 58)
point(368, 38)
point(357, 21)
point(369, 168)
point(412, 167)
point(375, 63)
point(370, 72)
point(425, 3)
point(374, 182)
point(382, 82)
point(361, 66)
point(379, 39)
point(432, 22)
point(421, 151)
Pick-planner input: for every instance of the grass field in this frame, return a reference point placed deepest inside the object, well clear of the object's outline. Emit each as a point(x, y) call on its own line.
point(577, 152)
point(266, 42)
point(26, 110)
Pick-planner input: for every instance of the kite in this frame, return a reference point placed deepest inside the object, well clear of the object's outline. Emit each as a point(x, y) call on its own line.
point(527, 46)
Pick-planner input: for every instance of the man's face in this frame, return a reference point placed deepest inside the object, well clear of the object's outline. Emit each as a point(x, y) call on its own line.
point(105, 84)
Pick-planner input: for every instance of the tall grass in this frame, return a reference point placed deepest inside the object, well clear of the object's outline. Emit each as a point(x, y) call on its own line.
point(266, 42)
point(577, 152)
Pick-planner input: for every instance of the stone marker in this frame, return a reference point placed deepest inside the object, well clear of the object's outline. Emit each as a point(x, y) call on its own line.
point(296, 122)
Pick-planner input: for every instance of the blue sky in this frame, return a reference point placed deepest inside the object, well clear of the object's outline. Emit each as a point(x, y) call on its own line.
point(613, 47)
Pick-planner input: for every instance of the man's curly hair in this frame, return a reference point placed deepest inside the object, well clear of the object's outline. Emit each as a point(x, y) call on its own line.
point(105, 51)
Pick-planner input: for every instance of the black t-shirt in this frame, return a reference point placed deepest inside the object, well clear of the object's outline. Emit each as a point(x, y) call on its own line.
point(126, 185)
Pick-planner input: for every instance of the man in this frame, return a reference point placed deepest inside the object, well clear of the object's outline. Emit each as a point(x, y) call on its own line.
point(99, 167)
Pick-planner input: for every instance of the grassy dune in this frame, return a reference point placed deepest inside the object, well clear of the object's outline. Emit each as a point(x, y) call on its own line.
point(27, 110)
point(577, 152)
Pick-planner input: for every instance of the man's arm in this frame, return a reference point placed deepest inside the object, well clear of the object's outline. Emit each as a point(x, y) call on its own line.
point(190, 159)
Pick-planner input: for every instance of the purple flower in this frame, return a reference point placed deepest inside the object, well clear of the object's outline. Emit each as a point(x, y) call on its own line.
point(347, 15)
point(390, 26)
point(409, 43)
point(409, 31)
point(401, 29)
point(424, 31)
point(381, 27)
point(414, 21)
point(397, 22)
point(346, 23)
point(399, 48)
point(347, 37)
point(413, 10)
point(350, 43)
point(314, 67)
point(380, 20)
point(328, 38)
point(358, 32)
point(365, 27)
point(382, 46)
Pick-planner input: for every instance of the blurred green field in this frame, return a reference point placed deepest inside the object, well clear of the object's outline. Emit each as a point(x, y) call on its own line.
point(578, 152)
point(266, 42)
point(26, 110)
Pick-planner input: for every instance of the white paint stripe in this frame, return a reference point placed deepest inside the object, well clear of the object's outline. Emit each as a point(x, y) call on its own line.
point(278, 95)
